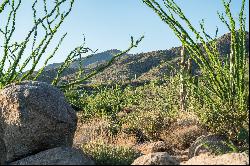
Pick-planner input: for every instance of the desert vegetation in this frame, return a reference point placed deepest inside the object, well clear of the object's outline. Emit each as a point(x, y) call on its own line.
point(222, 82)
point(175, 97)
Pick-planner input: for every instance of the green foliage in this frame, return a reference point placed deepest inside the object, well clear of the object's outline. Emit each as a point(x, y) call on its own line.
point(243, 135)
point(221, 90)
point(219, 150)
point(104, 154)
point(230, 146)
point(156, 107)
point(149, 108)
point(109, 101)
point(243, 138)
point(75, 98)
point(159, 97)
point(146, 124)
point(103, 101)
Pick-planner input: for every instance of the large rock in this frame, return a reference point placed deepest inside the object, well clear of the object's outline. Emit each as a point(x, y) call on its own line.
point(34, 117)
point(2, 152)
point(209, 143)
point(225, 159)
point(56, 156)
point(159, 158)
point(2, 148)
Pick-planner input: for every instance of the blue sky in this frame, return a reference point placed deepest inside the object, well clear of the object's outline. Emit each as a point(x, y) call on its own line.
point(108, 24)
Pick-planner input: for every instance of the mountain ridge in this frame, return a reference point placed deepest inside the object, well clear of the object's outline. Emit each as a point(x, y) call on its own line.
point(93, 58)
point(141, 67)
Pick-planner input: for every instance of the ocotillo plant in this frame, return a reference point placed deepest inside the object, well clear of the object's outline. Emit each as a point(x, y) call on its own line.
point(11, 65)
point(12, 69)
point(224, 89)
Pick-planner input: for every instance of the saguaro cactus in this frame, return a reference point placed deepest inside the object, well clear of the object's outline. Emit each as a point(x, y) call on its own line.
point(185, 67)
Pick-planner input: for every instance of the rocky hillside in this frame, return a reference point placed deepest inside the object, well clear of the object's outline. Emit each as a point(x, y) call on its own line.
point(155, 64)
point(89, 61)
point(140, 67)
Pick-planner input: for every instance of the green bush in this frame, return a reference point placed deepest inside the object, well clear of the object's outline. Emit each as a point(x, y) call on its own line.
point(146, 124)
point(157, 107)
point(106, 154)
point(149, 108)
point(230, 146)
point(159, 97)
point(104, 101)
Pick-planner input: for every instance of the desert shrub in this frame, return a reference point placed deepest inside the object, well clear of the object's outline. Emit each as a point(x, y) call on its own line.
point(104, 101)
point(74, 98)
point(157, 108)
point(148, 108)
point(147, 125)
point(160, 97)
point(182, 132)
point(230, 146)
point(107, 154)
point(221, 89)
point(218, 120)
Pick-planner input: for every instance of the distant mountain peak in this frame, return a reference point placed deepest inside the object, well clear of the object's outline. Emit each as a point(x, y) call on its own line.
point(93, 59)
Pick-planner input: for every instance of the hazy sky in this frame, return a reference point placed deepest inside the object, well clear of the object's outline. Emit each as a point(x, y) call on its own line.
point(108, 24)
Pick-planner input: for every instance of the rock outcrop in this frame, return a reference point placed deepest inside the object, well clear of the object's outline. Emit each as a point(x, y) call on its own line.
point(159, 158)
point(34, 116)
point(56, 156)
point(225, 159)
point(209, 143)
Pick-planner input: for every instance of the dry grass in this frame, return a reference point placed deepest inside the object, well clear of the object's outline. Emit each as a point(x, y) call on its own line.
point(183, 132)
point(91, 130)
point(123, 139)
point(97, 139)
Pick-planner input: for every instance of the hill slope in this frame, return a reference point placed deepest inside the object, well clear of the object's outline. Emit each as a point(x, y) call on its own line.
point(155, 64)
point(138, 67)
